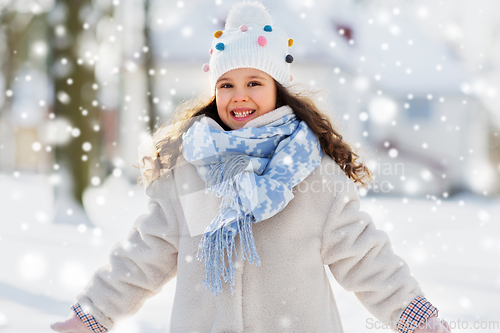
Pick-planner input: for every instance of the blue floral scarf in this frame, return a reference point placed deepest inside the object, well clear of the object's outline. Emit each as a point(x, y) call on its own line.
point(254, 170)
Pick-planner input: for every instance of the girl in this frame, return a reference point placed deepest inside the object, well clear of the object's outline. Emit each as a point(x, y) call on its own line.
point(261, 189)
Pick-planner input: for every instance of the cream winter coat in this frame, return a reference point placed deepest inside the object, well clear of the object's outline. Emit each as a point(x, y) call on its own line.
point(288, 292)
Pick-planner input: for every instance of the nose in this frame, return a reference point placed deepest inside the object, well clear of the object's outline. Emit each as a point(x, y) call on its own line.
point(240, 95)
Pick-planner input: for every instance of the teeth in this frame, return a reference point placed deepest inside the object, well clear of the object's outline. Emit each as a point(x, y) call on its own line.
point(240, 114)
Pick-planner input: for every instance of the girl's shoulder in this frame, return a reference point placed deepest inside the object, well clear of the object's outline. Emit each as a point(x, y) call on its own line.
point(330, 170)
point(329, 178)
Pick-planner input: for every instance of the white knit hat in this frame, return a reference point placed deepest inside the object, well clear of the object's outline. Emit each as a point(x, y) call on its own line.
point(250, 41)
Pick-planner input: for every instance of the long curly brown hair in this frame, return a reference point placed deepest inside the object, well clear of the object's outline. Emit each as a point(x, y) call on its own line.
point(167, 139)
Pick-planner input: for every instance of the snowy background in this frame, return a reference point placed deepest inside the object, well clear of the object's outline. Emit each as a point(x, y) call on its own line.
point(415, 84)
point(452, 247)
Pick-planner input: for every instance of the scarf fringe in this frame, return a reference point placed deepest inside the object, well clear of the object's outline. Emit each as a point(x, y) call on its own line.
point(223, 180)
point(215, 247)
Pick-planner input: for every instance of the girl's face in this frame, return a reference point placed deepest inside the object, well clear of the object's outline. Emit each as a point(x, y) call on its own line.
point(244, 94)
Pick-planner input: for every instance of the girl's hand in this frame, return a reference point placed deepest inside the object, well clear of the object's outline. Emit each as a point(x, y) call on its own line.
point(434, 325)
point(71, 325)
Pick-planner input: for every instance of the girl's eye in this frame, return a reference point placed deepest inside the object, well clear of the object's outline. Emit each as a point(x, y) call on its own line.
point(253, 84)
point(226, 85)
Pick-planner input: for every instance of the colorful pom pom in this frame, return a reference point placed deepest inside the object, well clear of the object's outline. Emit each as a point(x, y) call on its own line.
point(205, 68)
point(290, 42)
point(243, 27)
point(217, 34)
point(220, 46)
point(211, 51)
point(291, 77)
point(289, 58)
point(268, 28)
point(262, 41)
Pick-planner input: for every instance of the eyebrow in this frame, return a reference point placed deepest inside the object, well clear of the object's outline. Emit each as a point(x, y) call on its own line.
point(248, 77)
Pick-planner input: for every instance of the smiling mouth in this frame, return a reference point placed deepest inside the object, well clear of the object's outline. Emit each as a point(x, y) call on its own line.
point(242, 114)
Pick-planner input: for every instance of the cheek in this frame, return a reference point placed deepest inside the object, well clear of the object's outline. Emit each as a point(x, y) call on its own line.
point(220, 111)
point(273, 100)
point(220, 102)
point(274, 96)
point(267, 99)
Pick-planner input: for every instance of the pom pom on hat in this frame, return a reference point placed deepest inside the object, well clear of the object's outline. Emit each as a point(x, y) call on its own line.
point(248, 13)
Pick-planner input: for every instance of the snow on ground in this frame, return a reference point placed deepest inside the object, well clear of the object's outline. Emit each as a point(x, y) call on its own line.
point(451, 246)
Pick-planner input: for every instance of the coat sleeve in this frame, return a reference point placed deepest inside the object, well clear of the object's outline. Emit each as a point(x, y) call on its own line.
point(361, 258)
point(139, 265)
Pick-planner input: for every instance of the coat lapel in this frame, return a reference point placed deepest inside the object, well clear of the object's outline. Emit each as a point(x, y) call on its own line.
point(199, 208)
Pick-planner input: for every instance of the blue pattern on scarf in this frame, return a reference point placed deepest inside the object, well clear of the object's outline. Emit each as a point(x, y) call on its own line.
point(254, 170)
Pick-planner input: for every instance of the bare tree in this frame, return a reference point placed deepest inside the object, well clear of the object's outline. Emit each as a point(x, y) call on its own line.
point(75, 97)
point(149, 64)
point(13, 30)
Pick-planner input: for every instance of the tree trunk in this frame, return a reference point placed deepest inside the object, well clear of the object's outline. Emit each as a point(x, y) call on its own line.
point(73, 99)
point(149, 65)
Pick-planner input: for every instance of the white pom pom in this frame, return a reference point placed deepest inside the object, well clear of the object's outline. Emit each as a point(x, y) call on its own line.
point(248, 13)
